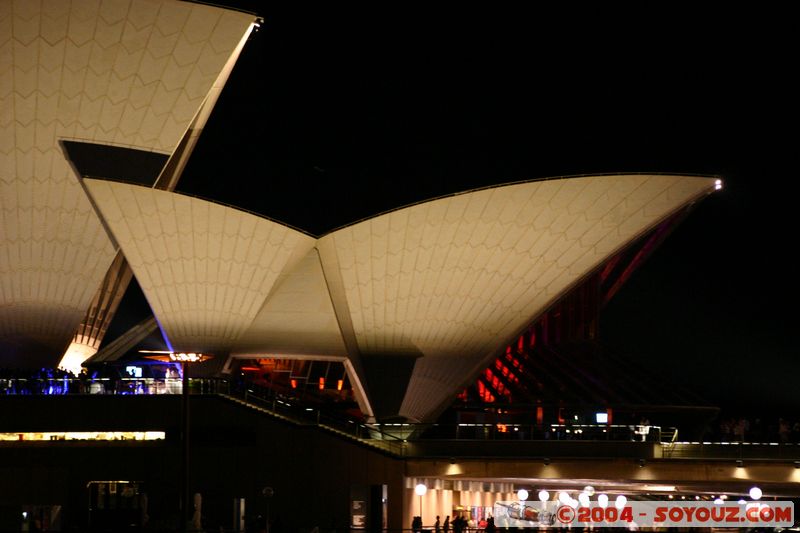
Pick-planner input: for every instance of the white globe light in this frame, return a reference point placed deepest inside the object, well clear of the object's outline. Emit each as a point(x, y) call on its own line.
point(620, 502)
point(564, 498)
point(588, 489)
point(544, 496)
point(421, 489)
point(718, 501)
point(573, 503)
point(602, 501)
point(741, 502)
point(522, 494)
point(584, 499)
point(755, 493)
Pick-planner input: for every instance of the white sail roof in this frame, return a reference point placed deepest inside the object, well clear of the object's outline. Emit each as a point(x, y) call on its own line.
point(445, 283)
point(127, 73)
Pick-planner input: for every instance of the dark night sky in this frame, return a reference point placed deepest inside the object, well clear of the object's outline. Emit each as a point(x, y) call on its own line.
point(331, 117)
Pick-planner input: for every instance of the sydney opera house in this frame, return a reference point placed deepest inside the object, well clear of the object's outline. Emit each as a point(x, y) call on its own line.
point(394, 321)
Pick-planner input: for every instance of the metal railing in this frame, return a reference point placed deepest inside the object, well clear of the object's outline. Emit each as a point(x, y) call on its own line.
point(108, 385)
point(305, 414)
point(395, 437)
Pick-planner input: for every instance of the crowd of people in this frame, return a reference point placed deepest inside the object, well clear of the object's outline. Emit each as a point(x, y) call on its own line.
point(743, 429)
point(104, 380)
point(40, 381)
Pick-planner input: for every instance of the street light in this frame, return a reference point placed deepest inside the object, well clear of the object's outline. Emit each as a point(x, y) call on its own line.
point(620, 502)
point(602, 501)
point(420, 489)
point(584, 500)
point(543, 497)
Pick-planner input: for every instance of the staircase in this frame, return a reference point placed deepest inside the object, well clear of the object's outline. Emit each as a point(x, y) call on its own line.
point(393, 447)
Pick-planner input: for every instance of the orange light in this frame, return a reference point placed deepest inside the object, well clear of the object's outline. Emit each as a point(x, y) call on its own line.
point(339, 384)
point(321, 383)
point(183, 357)
point(294, 383)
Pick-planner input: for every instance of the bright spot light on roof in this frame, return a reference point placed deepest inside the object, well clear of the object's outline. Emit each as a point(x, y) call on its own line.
point(718, 501)
point(602, 501)
point(718, 185)
point(755, 493)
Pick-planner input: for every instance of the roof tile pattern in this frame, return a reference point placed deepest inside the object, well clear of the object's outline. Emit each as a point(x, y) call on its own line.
point(299, 307)
point(457, 277)
point(122, 72)
point(447, 282)
point(205, 269)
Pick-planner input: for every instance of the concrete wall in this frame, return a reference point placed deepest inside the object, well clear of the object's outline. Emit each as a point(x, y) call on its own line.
point(236, 452)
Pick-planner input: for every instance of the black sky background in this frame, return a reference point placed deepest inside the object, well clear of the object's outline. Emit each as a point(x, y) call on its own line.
point(331, 117)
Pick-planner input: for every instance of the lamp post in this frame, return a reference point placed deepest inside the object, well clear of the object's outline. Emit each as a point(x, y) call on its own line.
point(420, 489)
point(602, 501)
point(543, 497)
point(620, 502)
point(185, 359)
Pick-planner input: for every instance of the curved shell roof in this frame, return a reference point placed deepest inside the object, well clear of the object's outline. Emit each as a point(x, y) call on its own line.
point(452, 280)
point(445, 283)
point(130, 73)
point(205, 269)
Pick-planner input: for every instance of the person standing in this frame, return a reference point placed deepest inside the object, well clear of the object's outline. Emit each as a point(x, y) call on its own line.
point(436, 526)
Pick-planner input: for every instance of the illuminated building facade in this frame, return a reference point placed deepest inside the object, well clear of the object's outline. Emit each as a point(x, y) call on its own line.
point(407, 309)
